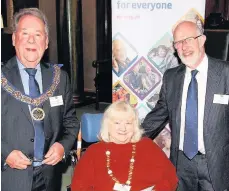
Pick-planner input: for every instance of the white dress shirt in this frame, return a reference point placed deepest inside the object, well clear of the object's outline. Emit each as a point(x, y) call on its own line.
point(25, 78)
point(201, 78)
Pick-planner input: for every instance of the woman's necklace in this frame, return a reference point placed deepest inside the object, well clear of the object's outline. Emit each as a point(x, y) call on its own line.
point(118, 186)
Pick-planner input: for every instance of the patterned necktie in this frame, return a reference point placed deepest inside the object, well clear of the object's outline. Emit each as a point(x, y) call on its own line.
point(39, 138)
point(191, 119)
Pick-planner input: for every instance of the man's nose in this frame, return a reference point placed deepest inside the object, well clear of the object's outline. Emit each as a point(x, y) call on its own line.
point(31, 39)
point(184, 45)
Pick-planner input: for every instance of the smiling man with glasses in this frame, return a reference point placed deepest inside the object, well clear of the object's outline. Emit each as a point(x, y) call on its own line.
point(194, 101)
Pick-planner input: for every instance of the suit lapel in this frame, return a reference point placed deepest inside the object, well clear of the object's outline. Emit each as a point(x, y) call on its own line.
point(179, 81)
point(47, 75)
point(213, 79)
point(13, 76)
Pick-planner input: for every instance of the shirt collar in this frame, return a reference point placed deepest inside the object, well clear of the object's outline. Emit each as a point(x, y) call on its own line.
point(22, 67)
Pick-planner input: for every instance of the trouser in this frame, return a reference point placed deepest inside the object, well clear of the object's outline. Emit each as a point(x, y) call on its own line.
point(38, 179)
point(193, 174)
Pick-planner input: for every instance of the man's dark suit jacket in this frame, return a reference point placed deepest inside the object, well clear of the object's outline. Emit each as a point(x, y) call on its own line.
point(17, 132)
point(216, 118)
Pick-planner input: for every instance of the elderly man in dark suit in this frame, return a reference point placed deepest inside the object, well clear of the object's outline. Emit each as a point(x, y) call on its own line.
point(194, 101)
point(39, 125)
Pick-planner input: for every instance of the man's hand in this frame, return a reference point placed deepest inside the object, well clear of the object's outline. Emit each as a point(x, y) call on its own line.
point(16, 159)
point(54, 155)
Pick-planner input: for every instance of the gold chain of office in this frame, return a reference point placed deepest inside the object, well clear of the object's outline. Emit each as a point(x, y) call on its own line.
point(26, 99)
point(131, 167)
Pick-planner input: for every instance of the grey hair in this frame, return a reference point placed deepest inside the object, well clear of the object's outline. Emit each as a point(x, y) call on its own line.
point(33, 12)
point(112, 113)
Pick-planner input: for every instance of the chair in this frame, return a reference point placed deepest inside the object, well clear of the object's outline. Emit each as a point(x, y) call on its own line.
point(89, 130)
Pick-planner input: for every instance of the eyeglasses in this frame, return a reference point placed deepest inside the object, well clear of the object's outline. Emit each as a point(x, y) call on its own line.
point(188, 40)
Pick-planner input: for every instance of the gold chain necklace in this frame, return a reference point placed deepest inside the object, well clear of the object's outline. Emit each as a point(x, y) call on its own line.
point(8, 87)
point(131, 167)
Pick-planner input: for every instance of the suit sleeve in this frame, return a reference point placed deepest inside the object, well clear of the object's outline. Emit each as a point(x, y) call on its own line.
point(70, 122)
point(156, 120)
point(84, 172)
point(6, 149)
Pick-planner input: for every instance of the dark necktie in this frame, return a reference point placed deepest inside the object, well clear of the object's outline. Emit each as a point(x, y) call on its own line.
point(191, 119)
point(39, 139)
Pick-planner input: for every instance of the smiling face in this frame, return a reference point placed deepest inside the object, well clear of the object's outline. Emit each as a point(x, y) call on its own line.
point(121, 128)
point(30, 40)
point(199, 24)
point(162, 51)
point(119, 51)
point(191, 53)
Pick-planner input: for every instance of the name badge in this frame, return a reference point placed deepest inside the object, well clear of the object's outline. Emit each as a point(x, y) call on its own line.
point(56, 101)
point(121, 187)
point(148, 189)
point(221, 99)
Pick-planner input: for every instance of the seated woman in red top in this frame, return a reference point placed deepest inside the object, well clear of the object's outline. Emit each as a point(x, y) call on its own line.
point(123, 160)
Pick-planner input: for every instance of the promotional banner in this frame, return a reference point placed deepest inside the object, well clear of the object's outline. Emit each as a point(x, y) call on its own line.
point(142, 50)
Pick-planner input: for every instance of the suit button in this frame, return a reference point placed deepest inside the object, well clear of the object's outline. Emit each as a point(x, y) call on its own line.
point(32, 140)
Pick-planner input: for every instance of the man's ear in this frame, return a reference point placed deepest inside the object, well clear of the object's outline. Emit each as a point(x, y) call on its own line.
point(46, 42)
point(13, 39)
point(202, 40)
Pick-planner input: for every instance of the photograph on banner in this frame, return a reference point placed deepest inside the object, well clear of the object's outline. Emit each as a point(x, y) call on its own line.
point(119, 92)
point(142, 112)
point(163, 140)
point(123, 54)
point(162, 54)
point(152, 100)
point(142, 78)
point(194, 16)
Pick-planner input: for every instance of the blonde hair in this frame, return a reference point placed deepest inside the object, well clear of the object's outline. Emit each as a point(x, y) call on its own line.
point(112, 113)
